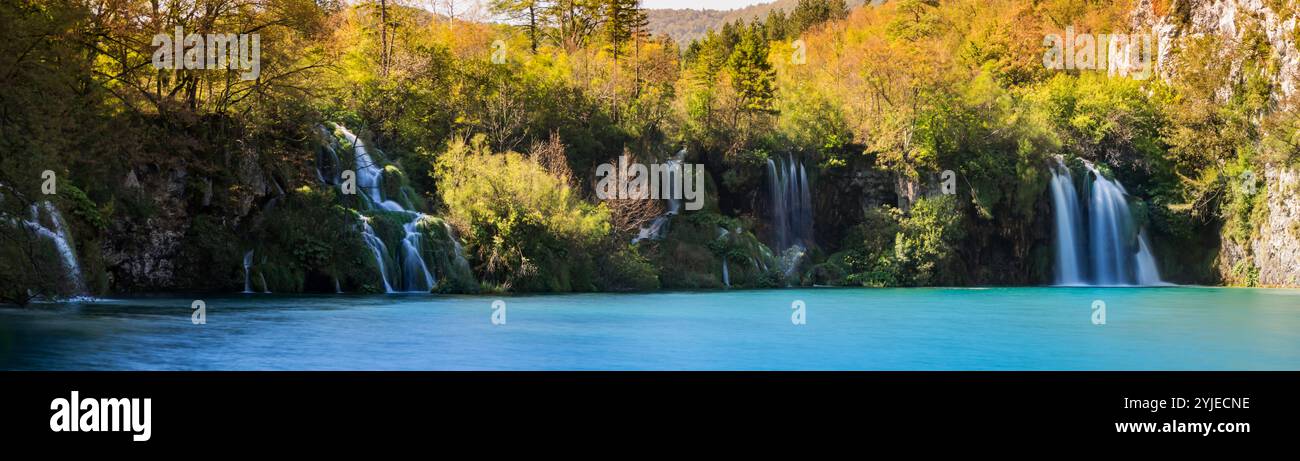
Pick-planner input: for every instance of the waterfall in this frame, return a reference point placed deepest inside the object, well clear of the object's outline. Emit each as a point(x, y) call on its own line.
point(58, 234)
point(726, 276)
point(658, 226)
point(1147, 271)
point(410, 273)
point(791, 199)
point(415, 273)
point(369, 175)
point(654, 231)
point(248, 264)
point(1117, 251)
point(377, 247)
point(1069, 230)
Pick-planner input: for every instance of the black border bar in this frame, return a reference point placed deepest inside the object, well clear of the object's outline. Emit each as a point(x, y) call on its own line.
point(230, 410)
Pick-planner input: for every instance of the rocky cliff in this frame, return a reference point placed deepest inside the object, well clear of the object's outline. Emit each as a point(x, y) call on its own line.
point(1277, 20)
point(1271, 256)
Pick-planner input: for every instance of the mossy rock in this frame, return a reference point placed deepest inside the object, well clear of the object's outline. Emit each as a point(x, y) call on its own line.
point(443, 253)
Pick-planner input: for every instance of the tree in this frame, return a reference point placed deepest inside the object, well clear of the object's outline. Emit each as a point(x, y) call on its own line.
point(810, 13)
point(528, 14)
point(623, 21)
point(752, 75)
point(777, 25)
point(574, 22)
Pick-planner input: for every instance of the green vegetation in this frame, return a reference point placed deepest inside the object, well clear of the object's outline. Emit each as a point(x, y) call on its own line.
point(168, 177)
point(525, 227)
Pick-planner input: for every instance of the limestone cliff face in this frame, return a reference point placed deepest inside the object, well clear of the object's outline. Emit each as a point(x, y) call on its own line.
point(1229, 19)
point(1277, 249)
point(144, 248)
point(1272, 256)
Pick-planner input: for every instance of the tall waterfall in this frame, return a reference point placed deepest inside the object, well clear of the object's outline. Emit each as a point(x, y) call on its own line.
point(410, 273)
point(1101, 229)
point(58, 234)
point(1070, 268)
point(792, 213)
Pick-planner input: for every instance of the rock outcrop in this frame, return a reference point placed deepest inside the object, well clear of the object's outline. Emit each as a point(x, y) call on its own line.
point(1226, 18)
point(1277, 249)
point(1272, 256)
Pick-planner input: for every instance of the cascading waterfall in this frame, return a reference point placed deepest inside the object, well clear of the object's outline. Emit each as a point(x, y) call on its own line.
point(788, 189)
point(1117, 251)
point(411, 272)
point(58, 234)
point(415, 273)
point(378, 248)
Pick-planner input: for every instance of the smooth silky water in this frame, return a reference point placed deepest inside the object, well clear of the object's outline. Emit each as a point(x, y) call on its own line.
point(1047, 328)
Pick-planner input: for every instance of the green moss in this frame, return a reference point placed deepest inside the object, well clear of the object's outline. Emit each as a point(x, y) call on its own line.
point(624, 269)
point(308, 242)
point(211, 257)
point(83, 208)
point(445, 258)
point(690, 255)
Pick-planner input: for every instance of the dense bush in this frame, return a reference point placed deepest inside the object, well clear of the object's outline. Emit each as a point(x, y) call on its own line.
point(524, 228)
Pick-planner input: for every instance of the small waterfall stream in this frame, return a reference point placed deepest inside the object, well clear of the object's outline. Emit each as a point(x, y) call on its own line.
point(248, 265)
point(58, 234)
point(726, 275)
point(1100, 227)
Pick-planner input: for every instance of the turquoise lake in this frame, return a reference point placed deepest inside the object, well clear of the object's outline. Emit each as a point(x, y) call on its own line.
point(1046, 328)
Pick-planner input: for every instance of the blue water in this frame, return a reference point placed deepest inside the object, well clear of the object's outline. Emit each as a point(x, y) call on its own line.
point(1181, 328)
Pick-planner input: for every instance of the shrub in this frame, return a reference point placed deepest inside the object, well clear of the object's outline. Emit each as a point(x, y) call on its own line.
point(525, 229)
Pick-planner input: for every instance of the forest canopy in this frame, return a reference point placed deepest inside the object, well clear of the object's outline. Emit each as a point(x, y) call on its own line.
point(184, 179)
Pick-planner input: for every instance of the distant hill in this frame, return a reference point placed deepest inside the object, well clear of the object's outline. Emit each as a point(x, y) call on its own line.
point(685, 25)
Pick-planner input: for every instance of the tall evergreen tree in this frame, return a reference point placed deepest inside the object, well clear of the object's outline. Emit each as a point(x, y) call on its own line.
point(623, 21)
point(752, 74)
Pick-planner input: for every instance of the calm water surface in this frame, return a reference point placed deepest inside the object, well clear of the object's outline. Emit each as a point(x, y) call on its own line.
point(1185, 328)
